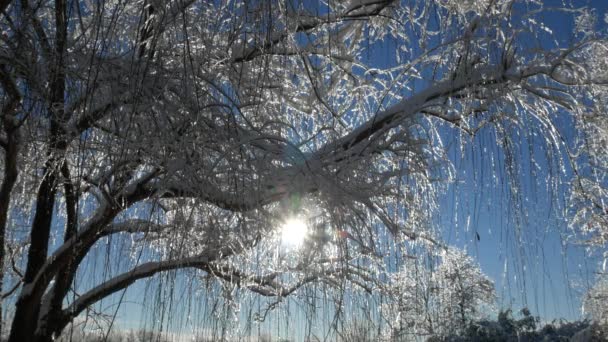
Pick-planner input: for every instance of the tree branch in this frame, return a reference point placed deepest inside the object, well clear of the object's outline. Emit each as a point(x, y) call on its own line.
point(305, 23)
point(143, 271)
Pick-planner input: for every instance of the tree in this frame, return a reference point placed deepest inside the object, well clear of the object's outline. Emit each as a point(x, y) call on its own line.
point(465, 293)
point(185, 132)
point(437, 298)
point(509, 328)
point(596, 301)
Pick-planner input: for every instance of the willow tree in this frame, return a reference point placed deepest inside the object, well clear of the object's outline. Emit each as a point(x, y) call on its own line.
point(188, 132)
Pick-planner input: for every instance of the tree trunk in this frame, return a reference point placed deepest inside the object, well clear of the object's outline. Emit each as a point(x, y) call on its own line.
point(26, 320)
point(10, 177)
point(28, 305)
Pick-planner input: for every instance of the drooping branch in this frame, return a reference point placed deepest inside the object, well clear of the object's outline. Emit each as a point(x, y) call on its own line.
point(75, 248)
point(142, 271)
point(265, 285)
point(303, 22)
point(373, 127)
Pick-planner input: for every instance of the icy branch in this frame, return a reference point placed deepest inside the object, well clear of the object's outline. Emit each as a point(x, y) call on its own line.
point(146, 270)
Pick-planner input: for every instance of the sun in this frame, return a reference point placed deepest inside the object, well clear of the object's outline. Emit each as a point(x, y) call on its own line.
point(293, 232)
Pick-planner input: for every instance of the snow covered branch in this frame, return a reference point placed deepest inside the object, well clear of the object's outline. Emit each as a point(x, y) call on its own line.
point(146, 270)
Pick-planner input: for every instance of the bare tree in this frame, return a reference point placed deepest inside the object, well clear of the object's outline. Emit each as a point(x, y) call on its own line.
point(183, 133)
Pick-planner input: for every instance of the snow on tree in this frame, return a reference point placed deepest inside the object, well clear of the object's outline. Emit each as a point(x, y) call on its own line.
point(437, 297)
point(595, 303)
point(181, 135)
point(466, 294)
point(589, 197)
point(590, 186)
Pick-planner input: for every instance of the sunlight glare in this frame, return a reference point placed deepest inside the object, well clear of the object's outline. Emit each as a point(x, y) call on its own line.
point(293, 232)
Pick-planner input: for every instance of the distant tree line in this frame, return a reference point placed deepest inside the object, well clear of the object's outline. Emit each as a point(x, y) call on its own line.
point(526, 328)
point(507, 327)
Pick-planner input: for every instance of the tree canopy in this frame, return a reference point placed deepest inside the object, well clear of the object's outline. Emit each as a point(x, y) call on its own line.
point(183, 134)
